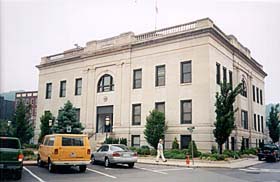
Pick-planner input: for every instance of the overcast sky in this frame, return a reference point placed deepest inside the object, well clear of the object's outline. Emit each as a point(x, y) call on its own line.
point(31, 29)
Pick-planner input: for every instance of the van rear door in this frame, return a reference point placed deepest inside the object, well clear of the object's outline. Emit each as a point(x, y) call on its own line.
point(73, 148)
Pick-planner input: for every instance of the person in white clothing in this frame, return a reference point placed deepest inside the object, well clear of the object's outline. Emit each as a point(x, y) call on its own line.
point(160, 151)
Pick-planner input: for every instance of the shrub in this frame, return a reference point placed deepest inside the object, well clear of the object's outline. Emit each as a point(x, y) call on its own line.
point(205, 156)
point(133, 149)
point(145, 147)
point(252, 151)
point(153, 152)
point(116, 141)
point(28, 152)
point(196, 153)
point(143, 151)
point(111, 140)
point(214, 149)
point(232, 154)
point(175, 144)
point(33, 146)
point(123, 141)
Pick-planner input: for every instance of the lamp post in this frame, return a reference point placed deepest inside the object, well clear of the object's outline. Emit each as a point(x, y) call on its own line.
point(191, 131)
point(9, 124)
point(107, 124)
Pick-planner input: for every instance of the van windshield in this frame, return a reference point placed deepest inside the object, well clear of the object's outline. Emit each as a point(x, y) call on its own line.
point(9, 143)
point(72, 141)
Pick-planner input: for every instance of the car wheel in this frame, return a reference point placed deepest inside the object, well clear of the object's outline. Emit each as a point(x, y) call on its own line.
point(18, 175)
point(92, 160)
point(39, 161)
point(107, 162)
point(131, 165)
point(260, 158)
point(82, 168)
point(51, 167)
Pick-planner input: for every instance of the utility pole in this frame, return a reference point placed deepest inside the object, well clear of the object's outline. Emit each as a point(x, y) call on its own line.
point(191, 131)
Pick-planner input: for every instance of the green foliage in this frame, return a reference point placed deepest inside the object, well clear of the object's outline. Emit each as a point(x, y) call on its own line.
point(6, 130)
point(153, 152)
point(273, 123)
point(45, 128)
point(32, 146)
point(28, 152)
point(123, 141)
point(23, 128)
point(176, 154)
point(155, 128)
point(67, 117)
point(175, 144)
point(143, 150)
point(196, 153)
point(111, 140)
point(232, 154)
point(214, 149)
point(225, 113)
point(133, 149)
point(250, 151)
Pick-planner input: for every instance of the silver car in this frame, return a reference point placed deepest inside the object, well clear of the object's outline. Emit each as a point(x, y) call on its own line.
point(114, 154)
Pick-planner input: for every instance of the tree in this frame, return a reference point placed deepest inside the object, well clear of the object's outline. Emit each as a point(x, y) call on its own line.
point(45, 126)
point(22, 126)
point(225, 113)
point(155, 127)
point(175, 144)
point(5, 129)
point(273, 123)
point(67, 119)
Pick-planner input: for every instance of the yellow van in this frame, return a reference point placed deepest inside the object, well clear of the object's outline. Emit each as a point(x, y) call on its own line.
point(64, 150)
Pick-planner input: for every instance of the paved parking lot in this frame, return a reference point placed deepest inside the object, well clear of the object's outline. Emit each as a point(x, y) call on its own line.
point(153, 173)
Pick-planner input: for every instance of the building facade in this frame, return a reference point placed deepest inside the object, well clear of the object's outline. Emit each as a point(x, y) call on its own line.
point(116, 82)
point(30, 99)
point(7, 109)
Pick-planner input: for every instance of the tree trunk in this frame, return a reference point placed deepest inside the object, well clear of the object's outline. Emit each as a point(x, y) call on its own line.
point(220, 148)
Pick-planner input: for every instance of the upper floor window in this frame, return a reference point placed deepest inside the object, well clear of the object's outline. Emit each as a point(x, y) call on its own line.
point(259, 125)
point(254, 93)
point(78, 86)
point(225, 74)
point(136, 114)
point(137, 78)
point(261, 97)
point(186, 112)
point(105, 83)
point(186, 72)
point(230, 77)
point(78, 114)
point(160, 106)
point(244, 119)
point(48, 90)
point(262, 124)
point(255, 122)
point(244, 88)
point(257, 90)
point(62, 92)
point(218, 73)
point(160, 75)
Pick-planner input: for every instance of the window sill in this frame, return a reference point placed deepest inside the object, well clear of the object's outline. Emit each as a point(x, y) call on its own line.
point(185, 84)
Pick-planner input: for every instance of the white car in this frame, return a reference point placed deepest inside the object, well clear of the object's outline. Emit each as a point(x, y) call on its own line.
point(114, 154)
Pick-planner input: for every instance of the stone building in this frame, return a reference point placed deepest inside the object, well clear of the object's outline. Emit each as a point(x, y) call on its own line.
point(7, 109)
point(177, 70)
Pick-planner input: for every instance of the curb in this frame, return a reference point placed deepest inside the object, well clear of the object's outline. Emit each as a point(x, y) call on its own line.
point(29, 163)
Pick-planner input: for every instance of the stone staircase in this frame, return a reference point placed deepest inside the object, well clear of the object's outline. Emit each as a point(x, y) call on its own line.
point(97, 139)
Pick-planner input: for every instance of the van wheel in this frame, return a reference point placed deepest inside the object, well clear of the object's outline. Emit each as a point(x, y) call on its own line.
point(92, 160)
point(39, 161)
point(107, 162)
point(131, 165)
point(51, 167)
point(82, 168)
point(260, 158)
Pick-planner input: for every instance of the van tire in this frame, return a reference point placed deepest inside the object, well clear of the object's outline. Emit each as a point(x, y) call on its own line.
point(51, 166)
point(131, 165)
point(92, 159)
point(39, 161)
point(82, 168)
point(107, 162)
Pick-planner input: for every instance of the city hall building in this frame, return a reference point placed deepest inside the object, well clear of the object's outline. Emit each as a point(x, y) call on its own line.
point(114, 83)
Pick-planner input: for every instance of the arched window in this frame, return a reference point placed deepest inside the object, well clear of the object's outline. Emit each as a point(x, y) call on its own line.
point(244, 88)
point(105, 84)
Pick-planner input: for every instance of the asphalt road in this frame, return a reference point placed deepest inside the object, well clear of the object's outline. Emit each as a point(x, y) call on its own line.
point(266, 172)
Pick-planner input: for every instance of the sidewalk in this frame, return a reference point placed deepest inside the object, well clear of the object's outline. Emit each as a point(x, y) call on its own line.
point(233, 164)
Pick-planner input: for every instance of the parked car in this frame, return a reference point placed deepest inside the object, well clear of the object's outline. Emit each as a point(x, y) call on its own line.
point(64, 150)
point(269, 152)
point(114, 154)
point(11, 156)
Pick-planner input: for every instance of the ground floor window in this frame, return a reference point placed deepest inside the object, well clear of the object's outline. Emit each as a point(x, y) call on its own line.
point(185, 140)
point(135, 140)
point(232, 143)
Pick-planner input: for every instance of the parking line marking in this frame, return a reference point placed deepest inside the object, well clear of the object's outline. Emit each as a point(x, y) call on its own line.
point(110, 176)
point(32, 174)
point(145, 169)
point(175, 169)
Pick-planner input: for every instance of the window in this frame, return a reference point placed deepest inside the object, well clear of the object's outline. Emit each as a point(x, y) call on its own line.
point(72, 141)
point(185, 140)
point(244, 119)
point(261, 99)
point(186, 72)
point(137, 78)
point(230, 77)
point(135, 141)
point(48, 90)
point(105, 84)
point(51, 141)
point(262, 124)
point(160, 106)
point(225, 74)
point(259, 125)
point(257, 95)
point(160, 75)
point(254, 93)
point(244, 88)
point(62, 92)
point(218, 73)
point(136, 114)
point(78, 86)
point(255, 122)
point(78, 114)
point(186, 112)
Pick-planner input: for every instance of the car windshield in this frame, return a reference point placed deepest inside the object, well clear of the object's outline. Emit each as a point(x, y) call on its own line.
point(9, 143)
point(269, 147)
point(119, 148)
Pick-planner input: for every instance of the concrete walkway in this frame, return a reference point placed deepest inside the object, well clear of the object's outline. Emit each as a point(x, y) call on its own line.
point(233, 164)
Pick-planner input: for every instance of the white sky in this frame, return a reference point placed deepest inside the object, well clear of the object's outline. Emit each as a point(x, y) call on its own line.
point(31, 29)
